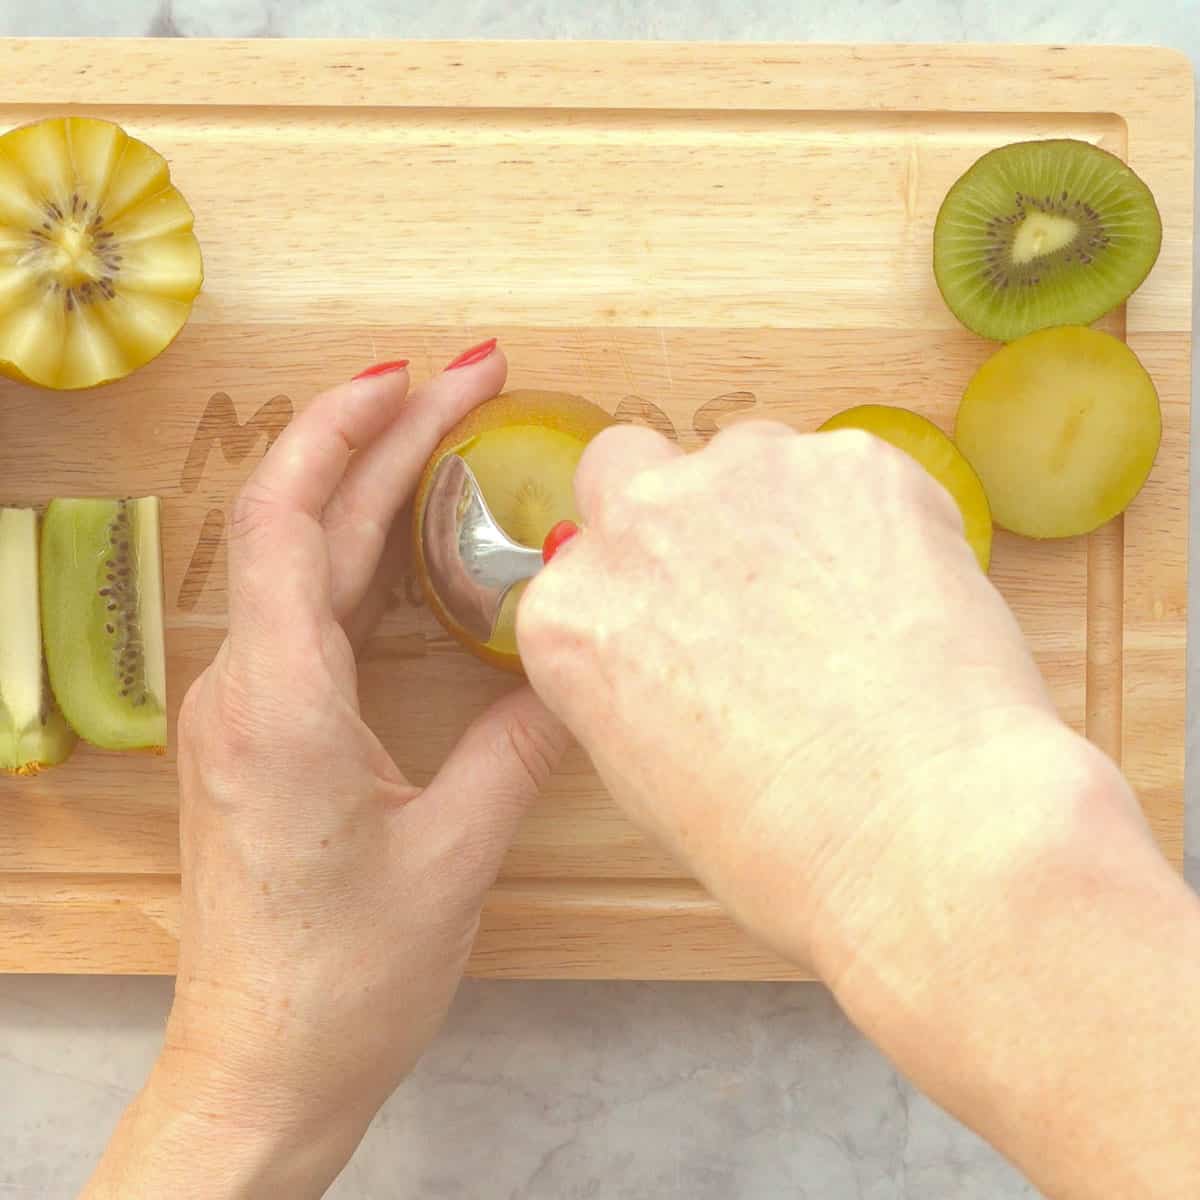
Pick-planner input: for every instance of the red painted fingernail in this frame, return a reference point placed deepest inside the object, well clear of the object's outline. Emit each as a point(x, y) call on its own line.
point(384, 368)
point(564, 531)
point(468, 358)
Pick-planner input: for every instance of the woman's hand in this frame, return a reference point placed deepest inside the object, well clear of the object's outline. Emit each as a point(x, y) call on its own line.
point(328, 904)
point(784, 660)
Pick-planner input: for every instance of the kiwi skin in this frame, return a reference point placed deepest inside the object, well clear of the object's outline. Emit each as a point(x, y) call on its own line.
point(559, 411)
point(1089, 303)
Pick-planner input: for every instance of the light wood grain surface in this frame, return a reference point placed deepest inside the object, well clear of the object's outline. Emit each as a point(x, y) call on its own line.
point(685, 234)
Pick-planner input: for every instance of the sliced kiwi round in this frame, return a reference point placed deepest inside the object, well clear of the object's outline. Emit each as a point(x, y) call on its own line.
point(102, 618)
point(1042, 233)
point(923, 440)
point(98, 262)
point(1063, 426)
point(33, 733)
point(523, 447)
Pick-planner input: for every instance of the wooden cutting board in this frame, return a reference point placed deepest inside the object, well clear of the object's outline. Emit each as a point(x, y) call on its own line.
point(687, 234)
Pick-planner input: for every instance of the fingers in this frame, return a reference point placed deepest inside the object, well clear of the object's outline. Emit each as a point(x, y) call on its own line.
point(382, 478)
point(612, 457)
point(278, 563)
point(395, 562)
point(469, 814)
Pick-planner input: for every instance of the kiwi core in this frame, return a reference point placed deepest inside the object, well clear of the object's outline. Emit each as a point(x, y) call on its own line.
point(1042, 233)
point(74, 254)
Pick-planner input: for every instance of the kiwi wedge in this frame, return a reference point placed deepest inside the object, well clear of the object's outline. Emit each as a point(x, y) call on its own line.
point(921, 439)
point(1063, 427)
point(102, 618)
point(98, 262)
point(33, 733)
point(523, 447)
point(1034, 234)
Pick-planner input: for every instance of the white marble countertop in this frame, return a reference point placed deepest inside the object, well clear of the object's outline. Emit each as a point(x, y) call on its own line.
point(555, 1091)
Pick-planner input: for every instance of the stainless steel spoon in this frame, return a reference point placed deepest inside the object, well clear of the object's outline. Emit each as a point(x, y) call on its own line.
point(472, 563)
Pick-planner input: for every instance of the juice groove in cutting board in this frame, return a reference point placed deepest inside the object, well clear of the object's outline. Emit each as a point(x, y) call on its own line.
point(687, 235)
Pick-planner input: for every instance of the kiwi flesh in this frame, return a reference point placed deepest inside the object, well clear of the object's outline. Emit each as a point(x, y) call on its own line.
point(102, 618)
point(523, 447)
point(99, 264)
point(33, 733)
point(1063, 427)
point(1042, 233)
point(921, 439)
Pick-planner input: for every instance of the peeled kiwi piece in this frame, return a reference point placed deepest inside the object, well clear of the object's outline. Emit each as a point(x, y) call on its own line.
point(921, 439)
point(102, 618)
point(1063, 427)
point(33, 733)
point(98, 262)
point(1034, 234)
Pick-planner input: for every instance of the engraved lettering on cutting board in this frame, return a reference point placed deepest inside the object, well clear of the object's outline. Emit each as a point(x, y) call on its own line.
point(704, 420)
point(634, 410)
point(219, 426)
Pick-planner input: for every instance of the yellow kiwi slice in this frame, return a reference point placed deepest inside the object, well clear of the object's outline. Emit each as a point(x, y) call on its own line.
point(924, 441)
point(33, 733)
point(523, 447)
point(98, 262)
point(1063, 427)
point(102, 617)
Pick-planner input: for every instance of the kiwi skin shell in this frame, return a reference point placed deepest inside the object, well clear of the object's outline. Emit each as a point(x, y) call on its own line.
point(562, 412)
point(1005, 329)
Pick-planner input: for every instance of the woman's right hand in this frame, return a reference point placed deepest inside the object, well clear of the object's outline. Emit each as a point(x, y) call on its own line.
point(785, 662)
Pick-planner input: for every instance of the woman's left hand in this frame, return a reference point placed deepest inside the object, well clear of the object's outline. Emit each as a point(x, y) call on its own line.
point(329, 906)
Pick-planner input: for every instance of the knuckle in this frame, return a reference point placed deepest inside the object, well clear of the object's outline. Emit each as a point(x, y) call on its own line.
point(855, 446)
point(251, 509)
point(530, 746)
point(750, 434)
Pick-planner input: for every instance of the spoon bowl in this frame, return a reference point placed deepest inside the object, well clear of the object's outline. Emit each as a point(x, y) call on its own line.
point(471, 562)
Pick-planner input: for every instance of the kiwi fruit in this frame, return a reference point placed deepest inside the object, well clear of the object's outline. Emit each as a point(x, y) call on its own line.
point(99, 265)
point(921, 439)
point(33, 733)
point(523, 447)
point(102, 618)
point(1062, 426)
point(1042, 233)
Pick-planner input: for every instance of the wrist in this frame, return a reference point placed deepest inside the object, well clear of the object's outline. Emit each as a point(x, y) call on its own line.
point(1027, 988)
point(193, 1133)
point(954, 889)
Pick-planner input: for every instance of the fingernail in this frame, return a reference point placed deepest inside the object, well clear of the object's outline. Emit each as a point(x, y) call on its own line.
point(384, 368)
point(564, 531)
point(468, 358)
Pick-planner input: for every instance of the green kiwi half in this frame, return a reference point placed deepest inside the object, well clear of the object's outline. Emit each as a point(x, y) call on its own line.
point(102, 618)
point(33, 733)
point(1034, 234)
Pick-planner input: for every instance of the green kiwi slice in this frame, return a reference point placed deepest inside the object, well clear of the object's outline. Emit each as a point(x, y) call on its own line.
point(1034, 234)
point(102, 618)
point(33, 733)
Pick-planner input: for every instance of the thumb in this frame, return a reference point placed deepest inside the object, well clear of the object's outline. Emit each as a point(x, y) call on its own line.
point(467, 817)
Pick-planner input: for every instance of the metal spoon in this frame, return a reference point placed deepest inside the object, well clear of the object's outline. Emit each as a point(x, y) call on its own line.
point(472, 563)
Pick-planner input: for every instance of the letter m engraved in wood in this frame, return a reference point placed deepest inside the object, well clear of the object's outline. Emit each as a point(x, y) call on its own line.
point(220, 427)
